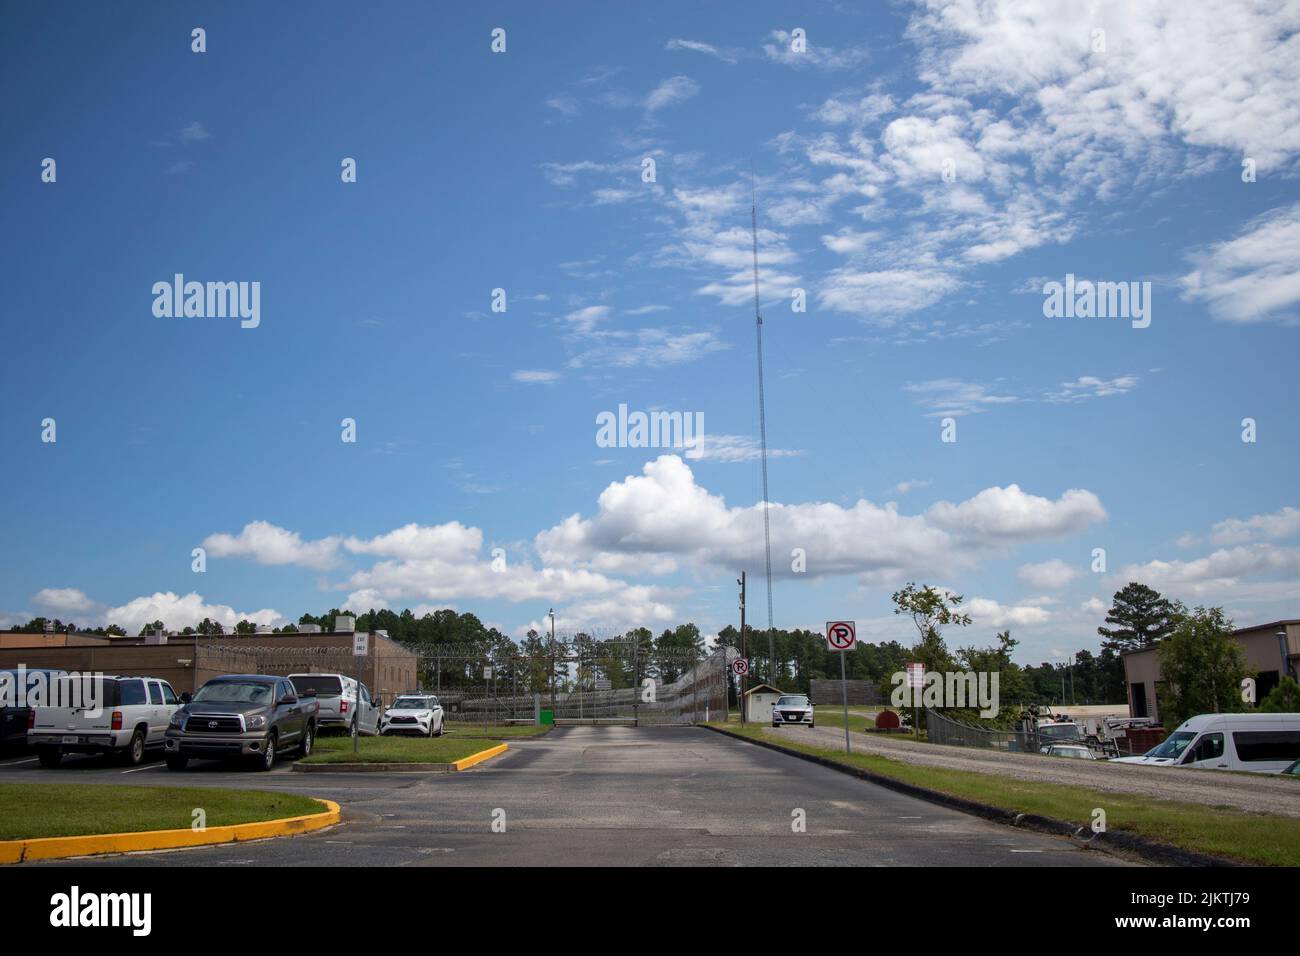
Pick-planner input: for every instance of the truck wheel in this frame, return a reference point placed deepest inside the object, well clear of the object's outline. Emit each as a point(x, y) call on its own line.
point(50, 756)
point(177, 762)
point(304, 749)
point(267, 760)
point(133, 755)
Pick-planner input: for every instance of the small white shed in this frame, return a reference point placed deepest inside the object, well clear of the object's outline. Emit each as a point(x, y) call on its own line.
point(759, 700)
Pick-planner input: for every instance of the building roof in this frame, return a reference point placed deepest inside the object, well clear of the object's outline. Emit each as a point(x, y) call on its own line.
point(763, 688)
point(1237, 632)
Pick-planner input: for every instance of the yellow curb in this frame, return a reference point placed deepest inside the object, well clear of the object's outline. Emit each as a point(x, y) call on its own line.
point(466, 762)
point(53, 848)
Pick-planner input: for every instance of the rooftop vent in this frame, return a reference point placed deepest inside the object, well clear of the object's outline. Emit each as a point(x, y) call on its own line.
point(308, 628)
point(344, 624)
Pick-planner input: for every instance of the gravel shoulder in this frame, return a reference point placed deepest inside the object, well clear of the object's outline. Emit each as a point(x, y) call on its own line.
point(1256, 793)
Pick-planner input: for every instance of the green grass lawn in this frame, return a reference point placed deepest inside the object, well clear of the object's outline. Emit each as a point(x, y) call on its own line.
point(29, 810)
point(1247, 837)
point(495, 731)
point(397, 749)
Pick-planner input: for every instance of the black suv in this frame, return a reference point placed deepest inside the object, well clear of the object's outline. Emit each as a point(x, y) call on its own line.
point(249, 716)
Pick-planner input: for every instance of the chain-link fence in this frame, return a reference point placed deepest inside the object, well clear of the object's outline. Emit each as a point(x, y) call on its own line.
point(601, 683)
point(943, 729)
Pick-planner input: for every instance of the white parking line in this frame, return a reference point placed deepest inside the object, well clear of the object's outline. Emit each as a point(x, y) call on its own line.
point(156, 766)
point(14, 763)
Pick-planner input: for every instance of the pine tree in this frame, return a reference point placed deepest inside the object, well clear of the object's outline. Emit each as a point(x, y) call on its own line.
point(1141, 615)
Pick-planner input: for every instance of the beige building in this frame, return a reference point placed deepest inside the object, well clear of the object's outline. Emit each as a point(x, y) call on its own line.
point(1269, 650)
point(188, 662)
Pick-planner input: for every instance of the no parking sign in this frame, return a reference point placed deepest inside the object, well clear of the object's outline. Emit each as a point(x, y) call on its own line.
point(842, 637)
point(740, 666)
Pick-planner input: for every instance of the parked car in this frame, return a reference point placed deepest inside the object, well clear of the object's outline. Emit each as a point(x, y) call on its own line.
point(419, 714)
point(16, 689)
point(1076, 751)
point(1293, 770)
point(120, 716)
point(792, 709)
point(344, 702)
point(1257, 743)
point(250, 716)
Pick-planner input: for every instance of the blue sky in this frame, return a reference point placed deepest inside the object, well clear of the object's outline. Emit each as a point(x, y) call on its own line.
point(523, 171)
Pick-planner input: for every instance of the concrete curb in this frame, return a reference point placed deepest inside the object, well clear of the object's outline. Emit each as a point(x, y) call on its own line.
point(1149, 850)
point(456, 765)
point(54, 848)
point(374, 768)
point(466, 762)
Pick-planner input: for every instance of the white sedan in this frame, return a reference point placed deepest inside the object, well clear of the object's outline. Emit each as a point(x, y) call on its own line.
point(1077, 751)
point(792, 709)
point(417, 714)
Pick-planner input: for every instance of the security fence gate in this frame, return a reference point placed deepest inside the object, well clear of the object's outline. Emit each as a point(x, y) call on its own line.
point(604, 683)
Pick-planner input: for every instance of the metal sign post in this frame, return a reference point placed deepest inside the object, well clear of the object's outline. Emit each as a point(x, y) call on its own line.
point(360, 647)
point(842, 637)
point(915, 682)
point(740, 667)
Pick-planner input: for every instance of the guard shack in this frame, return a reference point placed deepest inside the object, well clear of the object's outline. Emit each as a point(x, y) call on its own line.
point(759, 701)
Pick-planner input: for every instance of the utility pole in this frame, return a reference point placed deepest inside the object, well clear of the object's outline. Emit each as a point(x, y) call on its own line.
point(743, 647)
point(551, 612)
point(762, 435)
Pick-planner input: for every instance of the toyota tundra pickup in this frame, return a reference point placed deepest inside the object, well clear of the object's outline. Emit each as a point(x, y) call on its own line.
point(253, 717)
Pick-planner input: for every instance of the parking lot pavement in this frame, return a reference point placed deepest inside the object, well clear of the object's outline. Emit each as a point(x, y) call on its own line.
point(604, 796)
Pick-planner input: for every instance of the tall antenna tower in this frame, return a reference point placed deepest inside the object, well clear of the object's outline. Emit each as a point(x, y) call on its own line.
point(762, 436)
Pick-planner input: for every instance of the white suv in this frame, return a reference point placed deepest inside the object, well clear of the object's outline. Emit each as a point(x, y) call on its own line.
point(122, 716)
point(419, 714)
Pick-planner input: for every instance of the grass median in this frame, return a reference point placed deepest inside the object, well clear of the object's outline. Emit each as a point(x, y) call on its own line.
point(397, 749)
point(34, 810)
point(1220, 831)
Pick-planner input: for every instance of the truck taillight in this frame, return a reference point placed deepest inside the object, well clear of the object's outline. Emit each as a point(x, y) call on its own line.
point(117, 720)
point(343, 707)
point(31, 719)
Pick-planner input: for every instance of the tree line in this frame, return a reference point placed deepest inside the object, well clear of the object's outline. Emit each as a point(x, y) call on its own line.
point(1201, 664)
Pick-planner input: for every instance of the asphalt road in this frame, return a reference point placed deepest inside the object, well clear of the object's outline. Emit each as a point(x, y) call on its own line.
point(592, 796)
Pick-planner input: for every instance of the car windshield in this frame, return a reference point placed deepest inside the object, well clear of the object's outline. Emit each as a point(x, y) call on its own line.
point(1173, 746)
point(1293, 770)
point(792, 701)
point(412, 703)
point(234, 692)
point(1060, 732)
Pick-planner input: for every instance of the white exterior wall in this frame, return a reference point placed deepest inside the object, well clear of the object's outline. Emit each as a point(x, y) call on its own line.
point(760, 707)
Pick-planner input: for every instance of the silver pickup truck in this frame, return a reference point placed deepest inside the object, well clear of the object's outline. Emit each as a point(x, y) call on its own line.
point(249, 716)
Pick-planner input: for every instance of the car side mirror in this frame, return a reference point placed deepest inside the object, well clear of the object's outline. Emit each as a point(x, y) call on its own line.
point(288, 699)
point(186, 697)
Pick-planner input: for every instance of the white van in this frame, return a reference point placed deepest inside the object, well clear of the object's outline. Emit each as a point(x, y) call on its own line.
point(344, 703)
point(121, 716)
point(1258, 743)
